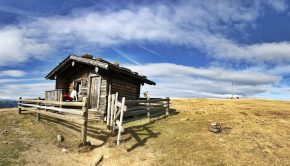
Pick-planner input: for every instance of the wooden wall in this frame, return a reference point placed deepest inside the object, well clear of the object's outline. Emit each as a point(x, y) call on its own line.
point(125, 87)
point(62, 83)
point(111, 83)
point(78, 75)
point(104, 94)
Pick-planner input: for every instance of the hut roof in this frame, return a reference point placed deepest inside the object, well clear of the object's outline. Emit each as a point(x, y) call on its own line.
point(101, 63)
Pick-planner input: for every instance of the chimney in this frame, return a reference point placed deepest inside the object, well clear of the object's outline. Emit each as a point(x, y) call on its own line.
point(88, 56)
point(116, 64)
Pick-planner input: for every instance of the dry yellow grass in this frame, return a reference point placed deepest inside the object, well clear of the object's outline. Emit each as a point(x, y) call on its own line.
point(257, 132)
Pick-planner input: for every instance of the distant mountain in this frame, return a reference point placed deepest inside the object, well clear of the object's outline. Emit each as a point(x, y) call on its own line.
point(8, 103)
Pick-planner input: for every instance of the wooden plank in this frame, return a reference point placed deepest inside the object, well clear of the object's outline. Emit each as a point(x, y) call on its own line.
point(118, 104)
point(148, 108)
point(112, 110)
point(121, 121)
point(108, 110)
point(71, 111)
point(115, 110)
point(167, 108)
point(84, 128)
point(77, 104)
point(55, 115)
point(135, 113)
point(19, 104)
point(145, 101)
point(136, 108)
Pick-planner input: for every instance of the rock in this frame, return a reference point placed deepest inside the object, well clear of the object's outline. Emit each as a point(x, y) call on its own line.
point(64, 150)
point(98, 160)
point(85, 148)
point(59, 138)
point(215, 127)
point(4, 132)
point(184, 119)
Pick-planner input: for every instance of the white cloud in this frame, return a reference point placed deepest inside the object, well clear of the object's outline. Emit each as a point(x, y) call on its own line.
point(184, 81)
point(196, 24)
point(32, 90)
point(12, 73)
point(20, 80)
point(16, 47)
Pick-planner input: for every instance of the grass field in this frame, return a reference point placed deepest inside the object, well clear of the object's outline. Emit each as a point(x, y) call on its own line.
point(257, 132)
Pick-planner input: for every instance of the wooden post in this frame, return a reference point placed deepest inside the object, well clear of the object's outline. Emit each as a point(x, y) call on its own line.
point(120, 127)
point(84, 128)
point(19, 105)
point(38, 114)
point(167, 105)
point(112, 111)
point(115, 111)
point(148, 108)
point(109, 110)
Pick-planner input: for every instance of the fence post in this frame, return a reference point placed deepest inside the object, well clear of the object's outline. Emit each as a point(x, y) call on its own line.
point(84, 128)
point(167, 105)
point(19, 105)
point(115, 110)
point(37, 114)
point(148, 108)
point(112, 111)
point(121, 121)
point(108, 111)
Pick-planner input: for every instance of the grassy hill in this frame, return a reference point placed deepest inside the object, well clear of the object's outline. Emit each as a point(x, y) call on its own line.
point(256, 132)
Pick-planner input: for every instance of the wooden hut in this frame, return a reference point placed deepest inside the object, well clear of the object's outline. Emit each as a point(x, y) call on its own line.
point(94, 78)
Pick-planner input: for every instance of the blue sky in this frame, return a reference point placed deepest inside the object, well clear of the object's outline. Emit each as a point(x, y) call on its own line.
point(190, 48)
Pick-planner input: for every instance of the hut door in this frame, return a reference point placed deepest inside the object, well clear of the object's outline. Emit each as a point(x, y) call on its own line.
point(94, 92)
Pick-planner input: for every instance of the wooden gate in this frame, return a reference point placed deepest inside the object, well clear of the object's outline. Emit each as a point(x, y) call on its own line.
point(95, 92)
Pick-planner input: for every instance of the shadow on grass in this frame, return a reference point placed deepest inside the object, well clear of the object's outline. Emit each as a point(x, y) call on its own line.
point(93, 130)
point(138, 132)
point(104, 135)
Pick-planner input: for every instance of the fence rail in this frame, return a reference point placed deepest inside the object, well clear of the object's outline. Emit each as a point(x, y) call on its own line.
point(53, 95)
point(70, 113)
point(118, 112)
point(115, 114)
point(146, 108)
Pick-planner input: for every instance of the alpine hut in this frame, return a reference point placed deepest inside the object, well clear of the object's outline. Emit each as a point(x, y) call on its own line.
point(94, 78)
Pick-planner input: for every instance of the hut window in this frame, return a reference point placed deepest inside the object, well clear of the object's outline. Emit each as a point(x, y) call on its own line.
point(78, 86)
point(84, 88)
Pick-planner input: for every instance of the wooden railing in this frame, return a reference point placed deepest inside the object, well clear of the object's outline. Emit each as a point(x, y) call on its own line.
point(118, 112)
point(53, 95)
point(115, 113)
point(146, 108)
point(70, 111)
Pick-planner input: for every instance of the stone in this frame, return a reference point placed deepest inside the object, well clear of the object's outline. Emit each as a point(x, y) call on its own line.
point(59, 138)
point(98, 160)
point(215, 127)
point(184, 119)
point(4, 132)
point(64, 150)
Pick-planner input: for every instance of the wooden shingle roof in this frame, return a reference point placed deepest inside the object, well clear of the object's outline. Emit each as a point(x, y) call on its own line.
point(101, 63)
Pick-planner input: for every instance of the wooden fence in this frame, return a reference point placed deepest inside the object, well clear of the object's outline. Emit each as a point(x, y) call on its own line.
point(115, 114)
point(146, 108)
point(118, 112)
point(76, 112)
point(53, 95)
